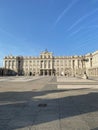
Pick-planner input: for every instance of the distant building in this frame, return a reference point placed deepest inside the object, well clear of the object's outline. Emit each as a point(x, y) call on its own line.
point(48, 64)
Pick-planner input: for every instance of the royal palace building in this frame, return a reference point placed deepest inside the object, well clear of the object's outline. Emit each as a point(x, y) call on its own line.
point(48, 64)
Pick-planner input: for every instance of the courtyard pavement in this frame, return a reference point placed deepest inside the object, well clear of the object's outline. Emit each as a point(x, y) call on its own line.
point(48, 103)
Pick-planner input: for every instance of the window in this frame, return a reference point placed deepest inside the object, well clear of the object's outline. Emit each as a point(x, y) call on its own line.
point(69, 62)
point(5, 64)
point(34, 62)
point(61, 62)
point(13, 62)
point(45, 64)
point(49, 64)
point(41, 63)
point(57, 62)
point(9, 63)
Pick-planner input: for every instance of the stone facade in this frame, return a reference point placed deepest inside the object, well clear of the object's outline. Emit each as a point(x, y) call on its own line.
point(48, 64)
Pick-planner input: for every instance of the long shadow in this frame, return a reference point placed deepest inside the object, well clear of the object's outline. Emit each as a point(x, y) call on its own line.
point(21, 109)
point(95, 128)
point(26, 96)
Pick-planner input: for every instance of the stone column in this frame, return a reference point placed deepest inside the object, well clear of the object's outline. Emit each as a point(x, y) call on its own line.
point(78, 63)
point(51, 72)
point(47, 72)
point(73, 67)
point(43, 72)
point(90, 62)
point(47, 64)
point(43, 64)
point(82, 63)
point(72, 64)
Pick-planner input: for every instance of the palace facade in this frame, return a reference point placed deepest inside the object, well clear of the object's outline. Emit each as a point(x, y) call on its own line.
point(48, 64)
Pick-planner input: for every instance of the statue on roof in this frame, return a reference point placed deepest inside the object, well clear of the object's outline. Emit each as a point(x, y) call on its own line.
point(46, 50)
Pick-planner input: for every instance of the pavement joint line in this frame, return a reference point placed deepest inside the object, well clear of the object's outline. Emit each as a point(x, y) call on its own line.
point(72, 83)
point(20, 79)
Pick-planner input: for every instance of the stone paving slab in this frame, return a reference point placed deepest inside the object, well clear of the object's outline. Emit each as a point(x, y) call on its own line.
point(73, 79)
point(77, 86)
point(20, 78)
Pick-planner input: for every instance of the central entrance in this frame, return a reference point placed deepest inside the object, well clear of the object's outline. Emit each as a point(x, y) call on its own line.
point(46, 72)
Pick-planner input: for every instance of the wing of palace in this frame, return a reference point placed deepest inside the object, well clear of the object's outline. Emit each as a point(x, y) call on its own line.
point(48, 64)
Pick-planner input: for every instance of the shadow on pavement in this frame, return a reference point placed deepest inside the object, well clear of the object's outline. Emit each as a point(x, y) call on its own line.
point(95, 129)
point(21, 109)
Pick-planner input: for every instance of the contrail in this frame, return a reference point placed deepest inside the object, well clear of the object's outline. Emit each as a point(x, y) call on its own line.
point(65, 11)
point(76, 31)
point(83, 28)
point(81, 19)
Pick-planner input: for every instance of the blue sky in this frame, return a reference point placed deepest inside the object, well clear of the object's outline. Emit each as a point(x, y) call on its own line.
point(65, 27)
